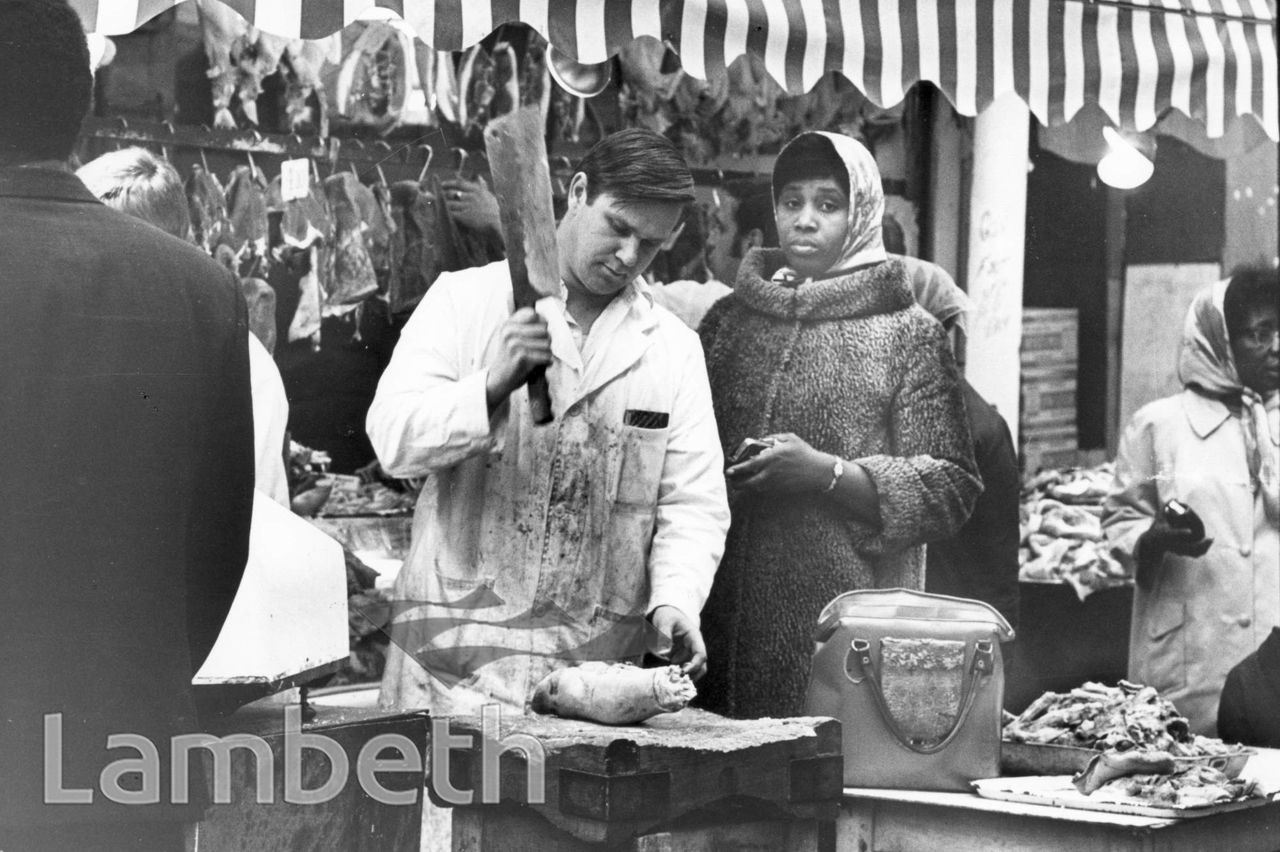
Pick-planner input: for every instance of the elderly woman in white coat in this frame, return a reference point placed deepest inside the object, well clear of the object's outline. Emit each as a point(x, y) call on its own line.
point(1204, 602)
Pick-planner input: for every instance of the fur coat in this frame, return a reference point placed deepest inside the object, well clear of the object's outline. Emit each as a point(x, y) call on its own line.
point(853, 366)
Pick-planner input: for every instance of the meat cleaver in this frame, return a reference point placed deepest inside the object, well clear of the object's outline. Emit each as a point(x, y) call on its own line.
point(517, 152)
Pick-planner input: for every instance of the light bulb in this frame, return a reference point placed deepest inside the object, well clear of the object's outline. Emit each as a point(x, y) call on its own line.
point(1124, 166)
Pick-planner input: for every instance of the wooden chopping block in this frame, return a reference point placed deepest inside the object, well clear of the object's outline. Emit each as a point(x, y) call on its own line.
point(350, 820)
point(605, 784)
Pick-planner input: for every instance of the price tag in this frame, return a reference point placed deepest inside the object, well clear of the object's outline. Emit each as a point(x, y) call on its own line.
point(295, 179)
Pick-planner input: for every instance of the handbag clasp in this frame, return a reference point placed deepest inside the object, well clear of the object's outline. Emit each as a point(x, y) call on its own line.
point(862, 664)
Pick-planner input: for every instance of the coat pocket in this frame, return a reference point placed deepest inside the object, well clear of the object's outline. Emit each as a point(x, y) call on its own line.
point(640, 469)
point(625, 583)
point(1162, 662)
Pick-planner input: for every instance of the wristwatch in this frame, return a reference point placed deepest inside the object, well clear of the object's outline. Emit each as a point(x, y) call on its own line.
point(837, 471)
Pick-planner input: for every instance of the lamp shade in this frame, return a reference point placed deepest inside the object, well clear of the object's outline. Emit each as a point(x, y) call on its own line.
point(1124, 166)
point(578, 78)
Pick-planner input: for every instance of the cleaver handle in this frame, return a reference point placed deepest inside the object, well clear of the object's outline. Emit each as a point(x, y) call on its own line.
point(539, 397)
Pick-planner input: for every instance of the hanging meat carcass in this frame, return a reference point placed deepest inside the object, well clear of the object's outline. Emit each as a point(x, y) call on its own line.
point(461, 247)
point(304, 63)
point(258, 61)
point(303, 221)
point(305, 324)
point(488, 86)
point(259, 298)
point(506, 81)
point(381, 237)
point(247, 210)
point(535, 78)
point(568, 113)
point(416, 214)
point(261, 302)
point(375, 223)
point(446, 87)
point(241, 56)
point(428, 65)
point(226, 35)
point(475, 91)
point(646, 89)
point(370, 86)
point(751, 113)
point(349, 276)
point(207, 203)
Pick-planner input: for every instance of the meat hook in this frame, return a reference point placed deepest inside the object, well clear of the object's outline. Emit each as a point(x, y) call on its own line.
point(422, 175)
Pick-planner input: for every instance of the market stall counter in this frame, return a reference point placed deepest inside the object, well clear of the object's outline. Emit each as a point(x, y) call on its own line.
point(689, 780)
point(876, 820)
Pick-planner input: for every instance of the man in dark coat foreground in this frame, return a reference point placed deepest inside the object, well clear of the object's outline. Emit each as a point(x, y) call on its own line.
point(1249, 710)
point(981, 560)
point(126, 448)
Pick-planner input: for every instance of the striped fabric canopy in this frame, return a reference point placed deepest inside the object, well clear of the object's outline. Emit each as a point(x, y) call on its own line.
point(1211, 59)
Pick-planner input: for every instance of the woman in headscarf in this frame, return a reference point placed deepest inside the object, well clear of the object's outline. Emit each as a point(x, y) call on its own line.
point(822, 352)
point(1205, 600)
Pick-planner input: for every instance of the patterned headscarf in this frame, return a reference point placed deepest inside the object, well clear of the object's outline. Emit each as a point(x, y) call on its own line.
point(1205, 363)
point(937, 292)
point(863, 241)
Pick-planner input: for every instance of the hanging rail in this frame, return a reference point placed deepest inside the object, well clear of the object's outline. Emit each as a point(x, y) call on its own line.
point(252, 142)
point(333, 149)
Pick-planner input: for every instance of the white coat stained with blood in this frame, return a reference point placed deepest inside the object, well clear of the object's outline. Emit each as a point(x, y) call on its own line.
point(538, 546)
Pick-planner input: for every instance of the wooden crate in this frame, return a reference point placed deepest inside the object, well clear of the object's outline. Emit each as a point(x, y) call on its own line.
point(1057, 454)
point(1050, 445)
point(1050, 337)
point(1048, 395)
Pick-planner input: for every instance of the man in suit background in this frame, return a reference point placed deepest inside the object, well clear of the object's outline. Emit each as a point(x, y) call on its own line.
point(126, 447)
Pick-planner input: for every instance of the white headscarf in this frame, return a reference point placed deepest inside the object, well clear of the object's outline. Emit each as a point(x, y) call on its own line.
point(863, 240)
point(1205, 362)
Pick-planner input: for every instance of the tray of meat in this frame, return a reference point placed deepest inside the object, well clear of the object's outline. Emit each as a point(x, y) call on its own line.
point(1194, 793)
point(1061, 732)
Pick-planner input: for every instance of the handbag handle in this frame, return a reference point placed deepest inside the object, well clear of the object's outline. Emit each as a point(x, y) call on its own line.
point(979, 668)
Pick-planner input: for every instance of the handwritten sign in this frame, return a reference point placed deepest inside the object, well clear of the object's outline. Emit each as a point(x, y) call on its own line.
point(295, 179)
point(997, 211)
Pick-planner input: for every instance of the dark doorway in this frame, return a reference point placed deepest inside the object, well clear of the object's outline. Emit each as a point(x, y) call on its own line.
point(1065, 267)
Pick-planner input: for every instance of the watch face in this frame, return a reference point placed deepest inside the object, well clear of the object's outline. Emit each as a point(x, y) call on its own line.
point(837, 471)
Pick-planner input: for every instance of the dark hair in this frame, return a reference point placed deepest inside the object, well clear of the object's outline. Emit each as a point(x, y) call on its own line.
point(637, 165)
point(755, 208)
point(895, 240)
point(45, 81)
point(1251, 287)
point(810, 156)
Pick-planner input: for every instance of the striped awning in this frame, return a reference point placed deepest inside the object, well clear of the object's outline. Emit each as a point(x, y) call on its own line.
point(1213, 60)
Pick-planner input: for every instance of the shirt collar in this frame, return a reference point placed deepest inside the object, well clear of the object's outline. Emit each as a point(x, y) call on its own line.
point(50, 183)
point(636, 296)
point(1204, 413)
point(639, 290)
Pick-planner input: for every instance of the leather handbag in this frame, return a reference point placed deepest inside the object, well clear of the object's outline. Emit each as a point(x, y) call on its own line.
point(917, 683)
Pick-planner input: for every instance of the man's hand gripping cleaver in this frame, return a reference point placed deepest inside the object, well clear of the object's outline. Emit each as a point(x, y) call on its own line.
point(517, 153)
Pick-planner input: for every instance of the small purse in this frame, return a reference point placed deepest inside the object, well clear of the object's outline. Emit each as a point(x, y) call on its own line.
point(917, 683)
